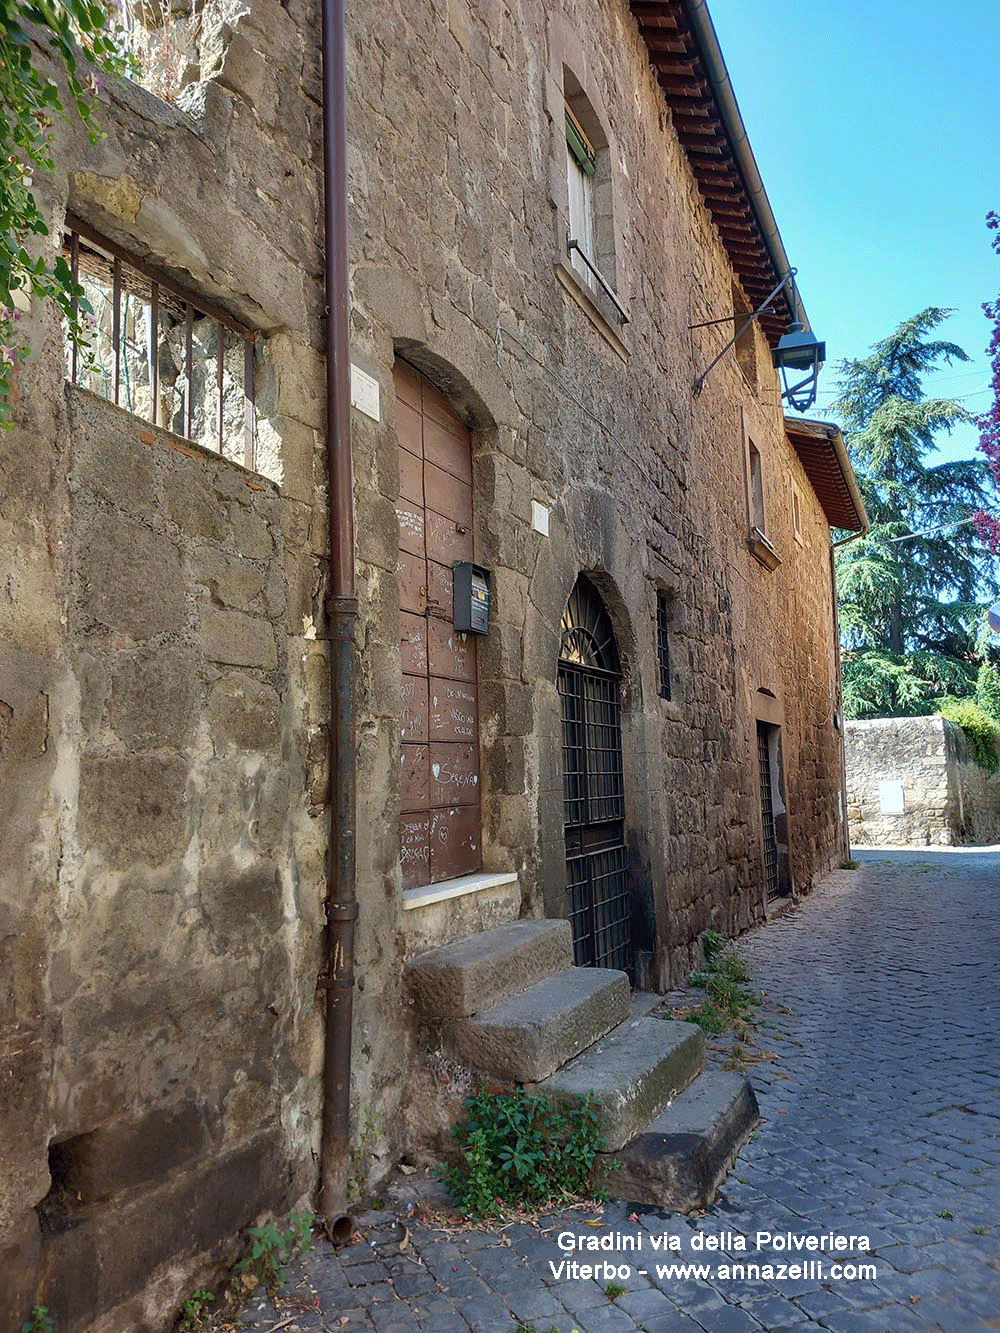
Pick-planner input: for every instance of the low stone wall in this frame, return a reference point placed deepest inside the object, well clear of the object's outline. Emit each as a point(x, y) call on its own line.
point(914, 781)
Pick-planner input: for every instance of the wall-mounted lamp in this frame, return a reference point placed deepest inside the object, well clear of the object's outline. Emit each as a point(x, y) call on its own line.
point(798, 350)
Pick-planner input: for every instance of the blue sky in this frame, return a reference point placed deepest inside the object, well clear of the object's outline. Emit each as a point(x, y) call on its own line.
point(876, 127)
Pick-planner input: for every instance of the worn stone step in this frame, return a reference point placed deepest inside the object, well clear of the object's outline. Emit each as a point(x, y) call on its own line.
point(528, 1036)
point(682, 1157)
point(464, 978)
point(631, 1074)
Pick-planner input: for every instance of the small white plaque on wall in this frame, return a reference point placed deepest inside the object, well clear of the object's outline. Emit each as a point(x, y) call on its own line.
point(365, 394)
point(540, 518)
point(891, 798)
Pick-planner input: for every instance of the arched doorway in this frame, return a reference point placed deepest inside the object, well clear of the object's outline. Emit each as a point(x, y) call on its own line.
point(593, 783)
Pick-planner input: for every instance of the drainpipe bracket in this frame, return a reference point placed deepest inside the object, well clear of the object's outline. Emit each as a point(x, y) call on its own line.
point(341, 911)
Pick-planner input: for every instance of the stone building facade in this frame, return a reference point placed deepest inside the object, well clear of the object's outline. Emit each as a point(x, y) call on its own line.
point(657, 558)
point(914, 781)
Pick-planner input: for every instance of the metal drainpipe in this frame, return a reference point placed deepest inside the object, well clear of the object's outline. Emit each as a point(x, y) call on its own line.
point(342, 614)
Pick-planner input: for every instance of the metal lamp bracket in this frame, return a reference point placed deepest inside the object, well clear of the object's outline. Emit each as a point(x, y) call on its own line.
point(699, 383)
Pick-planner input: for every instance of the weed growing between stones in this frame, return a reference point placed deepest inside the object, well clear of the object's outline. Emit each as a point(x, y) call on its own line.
point(722, 978)
point(519, 1150)
point(39, 1321)
point(194, 1312)
point(271, 1249)
point(613, 1290)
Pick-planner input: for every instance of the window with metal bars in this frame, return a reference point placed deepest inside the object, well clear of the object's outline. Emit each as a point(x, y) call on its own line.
point(663, 609)
point(160, 352)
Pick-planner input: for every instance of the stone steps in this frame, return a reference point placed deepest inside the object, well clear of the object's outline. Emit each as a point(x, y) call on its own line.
point(681, 1158)
point(630, 1075)
point(461, 979)
point(509, 1004)
point(527, 1037)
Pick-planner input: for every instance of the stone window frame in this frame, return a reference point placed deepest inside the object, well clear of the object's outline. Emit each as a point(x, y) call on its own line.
point(755, 492)
point(664, 621)
point(570, 84)
point(79, 233)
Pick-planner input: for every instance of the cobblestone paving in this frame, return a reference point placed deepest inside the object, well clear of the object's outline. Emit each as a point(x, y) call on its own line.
point(881, 1106)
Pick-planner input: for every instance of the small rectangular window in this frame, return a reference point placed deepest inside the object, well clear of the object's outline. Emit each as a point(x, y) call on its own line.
point(756, 488)
point(159, 352)
point(581, 165)
point(663, 643)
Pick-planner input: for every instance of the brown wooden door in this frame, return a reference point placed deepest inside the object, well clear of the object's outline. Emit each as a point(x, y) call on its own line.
point(440, 826)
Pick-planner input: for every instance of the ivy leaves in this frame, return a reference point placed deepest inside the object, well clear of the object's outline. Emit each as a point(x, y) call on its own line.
point(81, 40)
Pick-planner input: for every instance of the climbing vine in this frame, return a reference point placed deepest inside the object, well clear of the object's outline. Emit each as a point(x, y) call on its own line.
point(83, 39)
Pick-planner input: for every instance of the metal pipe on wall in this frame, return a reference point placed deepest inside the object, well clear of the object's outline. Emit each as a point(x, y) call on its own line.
point(342, 614)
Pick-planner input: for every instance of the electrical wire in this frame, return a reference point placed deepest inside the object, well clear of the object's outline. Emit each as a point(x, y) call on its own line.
point(925, 532)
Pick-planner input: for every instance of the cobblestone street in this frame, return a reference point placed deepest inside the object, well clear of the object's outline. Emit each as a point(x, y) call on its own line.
point(880, 1098)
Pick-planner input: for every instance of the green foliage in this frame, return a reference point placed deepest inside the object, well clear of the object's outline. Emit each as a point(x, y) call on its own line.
point(518, 1149)
point(194, 1311)
point(39, 1321)
point(613, 1290)
point(988, 690)
point(722, 978)
point(883, 684)
point(271, 1247)
point(981, 731)
point(80, 41)
point(712, 944)
point(910, 611)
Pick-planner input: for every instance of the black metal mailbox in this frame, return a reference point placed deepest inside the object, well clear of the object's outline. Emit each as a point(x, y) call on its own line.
point(471, 598)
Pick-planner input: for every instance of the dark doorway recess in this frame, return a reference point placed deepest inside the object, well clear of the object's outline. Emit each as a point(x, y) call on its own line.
point(774, 812)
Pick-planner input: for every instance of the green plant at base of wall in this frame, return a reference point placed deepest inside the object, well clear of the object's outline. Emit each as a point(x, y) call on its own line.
point(194, 1311)
point(518, 1149)
point(271, 1247)
point(39, 1321)
point(722, 978)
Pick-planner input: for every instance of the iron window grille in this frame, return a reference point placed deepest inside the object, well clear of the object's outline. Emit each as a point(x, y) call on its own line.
point(165, 355)
point(663, 643)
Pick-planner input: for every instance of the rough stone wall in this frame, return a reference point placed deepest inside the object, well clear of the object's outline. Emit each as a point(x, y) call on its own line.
point(948, 797)
point(162, 715)
point(459, 223)
point(162, 732)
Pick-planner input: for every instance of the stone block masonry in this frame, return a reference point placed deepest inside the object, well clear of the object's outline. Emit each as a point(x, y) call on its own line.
point(163, 693)
point(161, 877)
point(914, 781)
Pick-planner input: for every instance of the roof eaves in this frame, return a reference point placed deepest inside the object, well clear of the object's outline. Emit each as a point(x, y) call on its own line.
point(823, 454)
point(685, 54)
